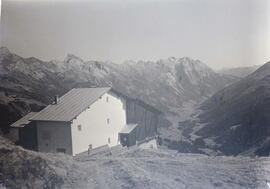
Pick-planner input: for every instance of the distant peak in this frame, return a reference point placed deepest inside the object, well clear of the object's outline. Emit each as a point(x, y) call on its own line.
point(70, 57)
point(4, 50)
point(172, 59)
point(187, 59)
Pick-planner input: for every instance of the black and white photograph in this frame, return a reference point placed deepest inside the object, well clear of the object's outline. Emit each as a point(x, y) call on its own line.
point(135, 94)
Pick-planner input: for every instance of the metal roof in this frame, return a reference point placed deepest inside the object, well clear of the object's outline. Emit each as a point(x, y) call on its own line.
point(24, 120)
point(128, 128)
point(70, 104)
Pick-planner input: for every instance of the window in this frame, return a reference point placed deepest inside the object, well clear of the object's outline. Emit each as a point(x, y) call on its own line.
point(61, 150)
point(79, 127)
point(90, 147)
point(107, 99)
point(109, 140)
point(46, 135)
point(108, 121)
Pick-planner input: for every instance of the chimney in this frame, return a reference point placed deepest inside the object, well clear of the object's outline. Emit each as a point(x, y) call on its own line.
point(56, 99)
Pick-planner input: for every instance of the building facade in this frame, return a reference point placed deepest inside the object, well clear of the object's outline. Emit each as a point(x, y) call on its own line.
point(100, 124)
point(88, 118)
point(96, 125)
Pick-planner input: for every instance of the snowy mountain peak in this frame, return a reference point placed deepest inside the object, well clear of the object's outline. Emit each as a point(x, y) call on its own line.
point(189, 63)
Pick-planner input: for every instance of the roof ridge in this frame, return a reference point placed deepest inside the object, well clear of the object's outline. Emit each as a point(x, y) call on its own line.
point(71, 104)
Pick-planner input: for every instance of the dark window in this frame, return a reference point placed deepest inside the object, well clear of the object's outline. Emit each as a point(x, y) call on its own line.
point(79, 127)
point(61, 150)
point(109, 140)
point(108, 121)
point(107, 99)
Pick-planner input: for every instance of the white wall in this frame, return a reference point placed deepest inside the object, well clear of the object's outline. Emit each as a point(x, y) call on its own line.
point(93, 121)
point(59, 136)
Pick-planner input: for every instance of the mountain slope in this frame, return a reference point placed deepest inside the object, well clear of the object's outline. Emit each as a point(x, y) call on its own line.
point(237, 118)
point(167, 83)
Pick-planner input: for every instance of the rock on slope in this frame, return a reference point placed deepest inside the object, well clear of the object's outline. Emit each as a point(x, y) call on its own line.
point(29, 84)
point(237, 118)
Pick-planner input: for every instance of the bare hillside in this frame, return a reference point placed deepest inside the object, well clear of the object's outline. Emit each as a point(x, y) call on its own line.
point(129, 168)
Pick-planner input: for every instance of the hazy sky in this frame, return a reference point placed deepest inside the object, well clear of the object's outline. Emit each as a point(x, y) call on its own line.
point(221, 33)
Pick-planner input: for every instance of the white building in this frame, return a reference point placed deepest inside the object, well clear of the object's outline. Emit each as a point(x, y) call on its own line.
point(87, 117)
point(81, 117)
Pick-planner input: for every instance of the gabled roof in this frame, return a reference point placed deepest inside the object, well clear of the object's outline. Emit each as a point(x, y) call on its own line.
point(70, 104)
point(24, 120)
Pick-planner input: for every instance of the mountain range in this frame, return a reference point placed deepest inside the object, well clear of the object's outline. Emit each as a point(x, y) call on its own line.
point(229, 115)
point(28, 84)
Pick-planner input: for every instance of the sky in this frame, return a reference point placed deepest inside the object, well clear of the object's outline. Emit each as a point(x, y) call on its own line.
point(221, 33)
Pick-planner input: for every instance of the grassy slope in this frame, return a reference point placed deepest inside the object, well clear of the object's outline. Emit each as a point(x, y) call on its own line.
point(129, 168)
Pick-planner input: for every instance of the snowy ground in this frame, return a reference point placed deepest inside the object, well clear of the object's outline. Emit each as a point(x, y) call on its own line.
point(137, 168)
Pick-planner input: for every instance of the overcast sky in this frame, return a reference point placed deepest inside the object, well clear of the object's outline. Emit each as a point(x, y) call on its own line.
point(221, 33)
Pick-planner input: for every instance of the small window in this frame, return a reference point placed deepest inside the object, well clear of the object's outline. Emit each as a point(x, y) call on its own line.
point(61, 150)
point(79, 127)
point(108, 121)
point(90, 147)
point(107, 99)
point(109, 140)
